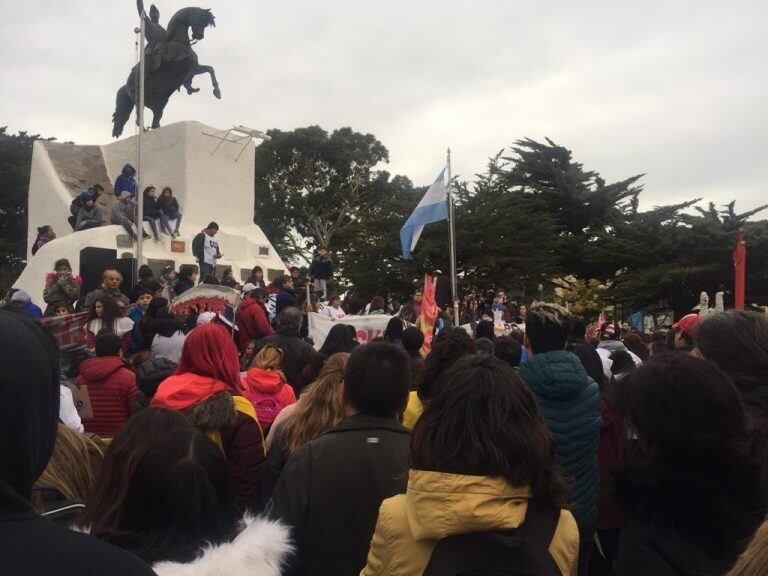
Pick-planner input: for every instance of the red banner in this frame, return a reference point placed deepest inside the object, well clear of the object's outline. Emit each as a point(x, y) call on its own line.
point(67, 330)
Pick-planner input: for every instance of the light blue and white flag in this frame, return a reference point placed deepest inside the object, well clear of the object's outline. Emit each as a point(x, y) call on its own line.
point(432, 208)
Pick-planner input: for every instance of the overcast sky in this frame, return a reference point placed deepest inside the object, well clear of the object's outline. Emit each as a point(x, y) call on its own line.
point(673, 89)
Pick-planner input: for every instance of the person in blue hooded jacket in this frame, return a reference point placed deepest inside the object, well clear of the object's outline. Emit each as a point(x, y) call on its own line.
point(126, 182)
point(570, 403)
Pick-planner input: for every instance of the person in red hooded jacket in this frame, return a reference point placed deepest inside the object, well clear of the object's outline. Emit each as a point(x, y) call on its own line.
point(206, 388)
point(265, 386)
point(252, 318)
point(111, 386)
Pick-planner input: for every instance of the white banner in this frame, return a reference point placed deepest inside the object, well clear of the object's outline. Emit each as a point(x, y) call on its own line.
point(367, 327)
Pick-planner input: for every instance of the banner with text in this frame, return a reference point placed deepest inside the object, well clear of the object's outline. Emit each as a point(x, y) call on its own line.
point(367, 327)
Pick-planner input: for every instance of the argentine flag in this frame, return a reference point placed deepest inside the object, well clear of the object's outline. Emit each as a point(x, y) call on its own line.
point(432, 208)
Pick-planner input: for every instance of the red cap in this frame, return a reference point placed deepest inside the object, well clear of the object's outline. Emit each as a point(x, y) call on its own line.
point(688, 323)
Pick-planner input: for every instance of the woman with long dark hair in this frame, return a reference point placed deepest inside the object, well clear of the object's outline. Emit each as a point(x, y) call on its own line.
point(691, 485)
point(482, 460)
point(169, 210)
point(104, 507)
point(340, 339)
point(180, 514)
point(106, 314)
point(207, 388)
point(151, 210)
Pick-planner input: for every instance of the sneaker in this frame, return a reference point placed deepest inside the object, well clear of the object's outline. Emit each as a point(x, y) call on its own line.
point(145, 235)
point(165, 232)
point(176, 234)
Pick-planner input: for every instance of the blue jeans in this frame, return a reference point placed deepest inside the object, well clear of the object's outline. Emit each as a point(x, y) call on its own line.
point(165, 219)
point(152, 225)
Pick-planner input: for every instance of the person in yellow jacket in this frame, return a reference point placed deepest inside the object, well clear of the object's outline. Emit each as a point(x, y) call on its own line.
point(479, 454)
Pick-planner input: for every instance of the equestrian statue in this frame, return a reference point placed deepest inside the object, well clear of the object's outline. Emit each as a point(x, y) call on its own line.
point(169, 64)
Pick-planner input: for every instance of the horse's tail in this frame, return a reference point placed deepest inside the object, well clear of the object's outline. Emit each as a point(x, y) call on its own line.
point(123, 109)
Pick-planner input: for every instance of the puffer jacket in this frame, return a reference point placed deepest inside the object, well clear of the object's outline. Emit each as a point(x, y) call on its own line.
point(111, 388)
point(437, 505)
point(151, 373)
point(252, 322)
point(570, 403)
point(269, 393)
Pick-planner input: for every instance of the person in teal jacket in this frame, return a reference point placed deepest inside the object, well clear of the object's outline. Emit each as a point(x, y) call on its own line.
point(570, 403)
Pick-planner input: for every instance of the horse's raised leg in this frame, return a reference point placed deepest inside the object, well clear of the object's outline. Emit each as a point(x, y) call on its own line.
point(200, 69)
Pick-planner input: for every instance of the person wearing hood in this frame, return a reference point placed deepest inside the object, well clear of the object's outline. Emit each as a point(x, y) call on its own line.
point(610, 342)
point(207, 389)
point(89, 215)
point(265, 386)
point(570, 403)
point(61, 287)
point(124, 214)
point(21, 303)
point(111, 386)
point(193, 525)
point(29, 408)
point(44, 235)
point(297, 353)
point(80, 200)
point(693, 486)
point(481, 463)
point(252, 317)
point(169, 210)
point(126, 181)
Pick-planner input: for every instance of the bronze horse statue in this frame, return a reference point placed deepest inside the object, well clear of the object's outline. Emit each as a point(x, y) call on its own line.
point(169, 64)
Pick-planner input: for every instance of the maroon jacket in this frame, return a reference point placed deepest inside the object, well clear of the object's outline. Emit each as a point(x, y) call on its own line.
point(111, 387)
point(252, 322)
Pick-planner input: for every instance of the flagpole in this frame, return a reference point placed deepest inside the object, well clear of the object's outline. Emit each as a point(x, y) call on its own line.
point(452, 234)
point(139, 172)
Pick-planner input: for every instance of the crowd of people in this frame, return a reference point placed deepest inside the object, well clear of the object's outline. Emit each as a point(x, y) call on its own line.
point(518, 441)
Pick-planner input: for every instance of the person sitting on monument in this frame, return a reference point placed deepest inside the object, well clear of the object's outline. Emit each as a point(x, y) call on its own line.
point(169, 210)
point(111, 279)
point(205, 248)
point(44, 235)
point(124, 213)
point(126, 182)
point(79, 201)
point(151, 210)
point(89, 215)
point(61, 287)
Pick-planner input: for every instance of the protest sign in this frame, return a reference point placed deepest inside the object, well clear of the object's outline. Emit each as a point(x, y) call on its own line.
point(367, 327)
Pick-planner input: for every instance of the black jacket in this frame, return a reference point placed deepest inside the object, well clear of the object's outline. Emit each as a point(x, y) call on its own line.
point(29, 408)
point(331, 489)
point(322, 269)
point(296, 355)
point(198, 247)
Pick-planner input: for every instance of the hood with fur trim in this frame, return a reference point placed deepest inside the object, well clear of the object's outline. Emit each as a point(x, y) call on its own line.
point(261, 548)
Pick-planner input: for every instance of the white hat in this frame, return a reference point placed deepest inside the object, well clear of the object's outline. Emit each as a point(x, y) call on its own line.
point(21, 296)
point(249, 287)
point(205, 318)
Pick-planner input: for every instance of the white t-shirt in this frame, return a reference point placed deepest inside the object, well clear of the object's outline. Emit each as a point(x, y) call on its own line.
point(210, 249)
point(333, 313)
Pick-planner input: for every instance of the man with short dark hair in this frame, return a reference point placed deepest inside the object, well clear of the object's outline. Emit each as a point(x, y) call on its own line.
point(111, 386)
point(205, 249)
point(286, 296)
point(570, 403)
point(331, 488)
point(111, 279)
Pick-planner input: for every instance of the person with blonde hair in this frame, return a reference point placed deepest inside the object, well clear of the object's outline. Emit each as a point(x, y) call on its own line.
point(320, 408)
point(264, 385)
point(67, 481)
point(754, 560)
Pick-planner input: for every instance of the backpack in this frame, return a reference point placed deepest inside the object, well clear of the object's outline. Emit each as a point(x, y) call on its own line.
point(267, 406)
point(519, 552)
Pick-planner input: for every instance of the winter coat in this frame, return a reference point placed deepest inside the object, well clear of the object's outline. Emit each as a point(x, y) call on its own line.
point(198, 246)
point(321, 269)
point(437, 505)
point(168, 347)
point(331, 489)
point(260, 549)
point(182, 285)
point(151, 373)
point(123, 183)
point(92, 216)
point(151, 209)
point(268, 393)
point(570, 403)
point(112, 388)
point(252, 322)
point(122, 210)
point(285, 298)
point(229, 420)
point(57, 292)
point(296, 355)
point(172, 207)
point(135, 313)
